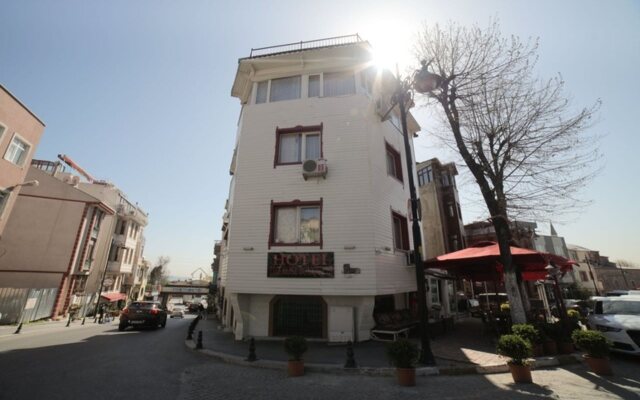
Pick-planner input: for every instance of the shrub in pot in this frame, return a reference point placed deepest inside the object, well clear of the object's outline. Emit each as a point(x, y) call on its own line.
point(529, 333)
point(403, 355)
point(295, 347)
point(597, 348)
point(551, 333)
point(518, 350)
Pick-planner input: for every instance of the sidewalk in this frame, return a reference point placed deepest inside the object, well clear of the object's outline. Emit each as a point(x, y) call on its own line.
point(44, 326)
point(464, 350)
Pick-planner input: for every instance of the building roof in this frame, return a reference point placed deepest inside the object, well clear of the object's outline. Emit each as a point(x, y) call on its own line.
point(579, 248)
point(21, 103)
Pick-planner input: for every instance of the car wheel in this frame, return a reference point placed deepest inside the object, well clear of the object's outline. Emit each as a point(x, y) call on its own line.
point(163, 324)
point(122, 327)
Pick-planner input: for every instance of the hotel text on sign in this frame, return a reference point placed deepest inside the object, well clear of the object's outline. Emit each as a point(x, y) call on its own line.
point(300, 265)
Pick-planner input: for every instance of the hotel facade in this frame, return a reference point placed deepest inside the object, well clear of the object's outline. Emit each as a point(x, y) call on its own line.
point(315, 234)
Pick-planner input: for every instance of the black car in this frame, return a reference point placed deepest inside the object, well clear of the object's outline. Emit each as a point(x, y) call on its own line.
point(143, 313)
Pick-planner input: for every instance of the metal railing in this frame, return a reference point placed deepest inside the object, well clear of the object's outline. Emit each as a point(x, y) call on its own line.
point(311, 44)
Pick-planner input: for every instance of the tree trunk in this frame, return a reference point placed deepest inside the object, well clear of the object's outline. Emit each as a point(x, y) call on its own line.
point(518, 315)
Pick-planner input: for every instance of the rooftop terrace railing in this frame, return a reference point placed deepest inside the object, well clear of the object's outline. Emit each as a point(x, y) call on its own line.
point(311, 44)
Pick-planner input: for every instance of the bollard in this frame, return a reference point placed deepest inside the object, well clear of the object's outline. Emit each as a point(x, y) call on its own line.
point(199, 342)
point(83, 318)
point(190, 334)
point(69, 321)
point(19, 329)
point(351, 361)
point(252, 351)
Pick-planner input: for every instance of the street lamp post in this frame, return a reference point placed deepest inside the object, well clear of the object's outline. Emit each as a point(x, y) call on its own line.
point(553, 273)
point(593, 278)
point(422, 81)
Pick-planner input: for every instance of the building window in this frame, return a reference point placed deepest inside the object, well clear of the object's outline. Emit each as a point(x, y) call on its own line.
point(2, 130)
point(339, 84)
point(583, 276)
point(17, 151)
point(425, 175)
point(434, 289)
point(4, 199)
point(285, 89)
point(394, 163)
point(314, 85)
point(296, 223)
point(295, 145)
point(459, 211)
point(454, 243)
point(261, 92)
point(450, 209)
point(400, 232)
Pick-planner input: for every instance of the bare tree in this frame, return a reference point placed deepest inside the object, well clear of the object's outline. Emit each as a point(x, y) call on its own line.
point(159, 273)
point(519, 136)
point(626, 264)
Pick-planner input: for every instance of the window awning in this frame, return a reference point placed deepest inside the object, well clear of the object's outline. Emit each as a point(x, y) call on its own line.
point(114, 296)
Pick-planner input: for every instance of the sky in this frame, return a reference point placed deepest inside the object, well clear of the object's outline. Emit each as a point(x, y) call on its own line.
point(138, 93)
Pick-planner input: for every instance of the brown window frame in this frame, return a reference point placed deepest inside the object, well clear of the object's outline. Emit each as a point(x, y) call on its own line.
point(294, 203)
point(300, 130)
point(404, 226)
point(397, 161)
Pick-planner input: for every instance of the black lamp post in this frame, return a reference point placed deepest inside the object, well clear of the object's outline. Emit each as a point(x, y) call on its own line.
point(422, 81)
point(553, 274)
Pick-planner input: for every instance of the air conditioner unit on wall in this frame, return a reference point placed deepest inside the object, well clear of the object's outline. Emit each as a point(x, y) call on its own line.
point(313, 168)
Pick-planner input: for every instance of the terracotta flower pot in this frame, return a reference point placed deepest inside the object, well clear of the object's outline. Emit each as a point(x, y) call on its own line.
point(600, 366)
point(550, 348)
point(565, 347)
point(520, 373)
point(538, 350)
point(406, 376)
point(296, 368)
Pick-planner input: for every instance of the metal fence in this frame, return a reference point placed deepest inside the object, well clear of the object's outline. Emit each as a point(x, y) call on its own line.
point(25, 305)
point(299, 46)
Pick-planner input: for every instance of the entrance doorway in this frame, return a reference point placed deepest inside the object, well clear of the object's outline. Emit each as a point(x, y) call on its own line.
point(298, 316)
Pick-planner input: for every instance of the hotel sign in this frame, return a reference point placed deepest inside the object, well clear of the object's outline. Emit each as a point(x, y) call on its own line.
point(300, 265)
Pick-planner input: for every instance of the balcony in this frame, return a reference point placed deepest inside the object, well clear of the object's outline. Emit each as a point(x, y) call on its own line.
point(128, 211)
point(119, 267)
point(124, 241)
point(300, 46)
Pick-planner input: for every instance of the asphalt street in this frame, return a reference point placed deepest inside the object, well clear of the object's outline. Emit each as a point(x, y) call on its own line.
point(98, 362)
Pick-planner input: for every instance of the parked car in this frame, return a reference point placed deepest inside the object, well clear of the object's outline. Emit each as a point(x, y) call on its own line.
point(178, 312)
point(618, 318)
point(143, 313)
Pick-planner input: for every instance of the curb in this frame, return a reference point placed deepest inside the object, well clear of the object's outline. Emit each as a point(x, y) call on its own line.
point(542, 362)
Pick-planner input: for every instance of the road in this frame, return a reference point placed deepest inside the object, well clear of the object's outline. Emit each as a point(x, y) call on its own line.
point(98, 362)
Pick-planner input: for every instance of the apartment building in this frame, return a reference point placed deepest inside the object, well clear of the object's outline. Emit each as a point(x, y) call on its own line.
point(126, 270)
point(51, 246)
point(315, 234)
point(20, 132)
point(442, 228)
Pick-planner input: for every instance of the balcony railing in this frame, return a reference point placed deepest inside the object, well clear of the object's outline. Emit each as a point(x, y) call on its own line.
point(299, 46)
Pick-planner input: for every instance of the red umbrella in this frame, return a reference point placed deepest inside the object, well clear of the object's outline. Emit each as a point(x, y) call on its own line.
point(481, 262)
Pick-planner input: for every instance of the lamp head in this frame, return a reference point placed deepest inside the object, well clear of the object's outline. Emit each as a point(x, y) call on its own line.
point(425, 81)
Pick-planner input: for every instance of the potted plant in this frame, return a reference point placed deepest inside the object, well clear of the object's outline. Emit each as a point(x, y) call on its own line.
point(597, 348)
point(529, 333)
point(518, 350)
point(403, 355)
point(550, 332)
point(295, 347)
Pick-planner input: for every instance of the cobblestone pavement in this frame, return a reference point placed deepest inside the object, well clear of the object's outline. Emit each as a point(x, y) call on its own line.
point(215, 380)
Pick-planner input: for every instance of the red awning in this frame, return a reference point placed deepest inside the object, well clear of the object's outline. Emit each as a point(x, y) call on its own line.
point(481, 262)
point(114, 296)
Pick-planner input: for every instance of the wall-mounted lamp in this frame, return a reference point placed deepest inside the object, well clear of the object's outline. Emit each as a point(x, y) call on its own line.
point(350, 247)
point(248, 248)
point(27, 183)
point(347, 270)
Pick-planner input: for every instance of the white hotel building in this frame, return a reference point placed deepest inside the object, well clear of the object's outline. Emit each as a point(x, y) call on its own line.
point(315, 253)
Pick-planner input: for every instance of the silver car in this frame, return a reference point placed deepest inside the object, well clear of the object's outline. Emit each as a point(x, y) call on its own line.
point(178, 312)
point(618, 318)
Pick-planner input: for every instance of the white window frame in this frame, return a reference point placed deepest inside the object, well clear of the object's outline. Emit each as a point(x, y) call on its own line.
point(298, 226)
point(302, 157)
point(26, 154)
point(3, 129)
point(5, 201)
